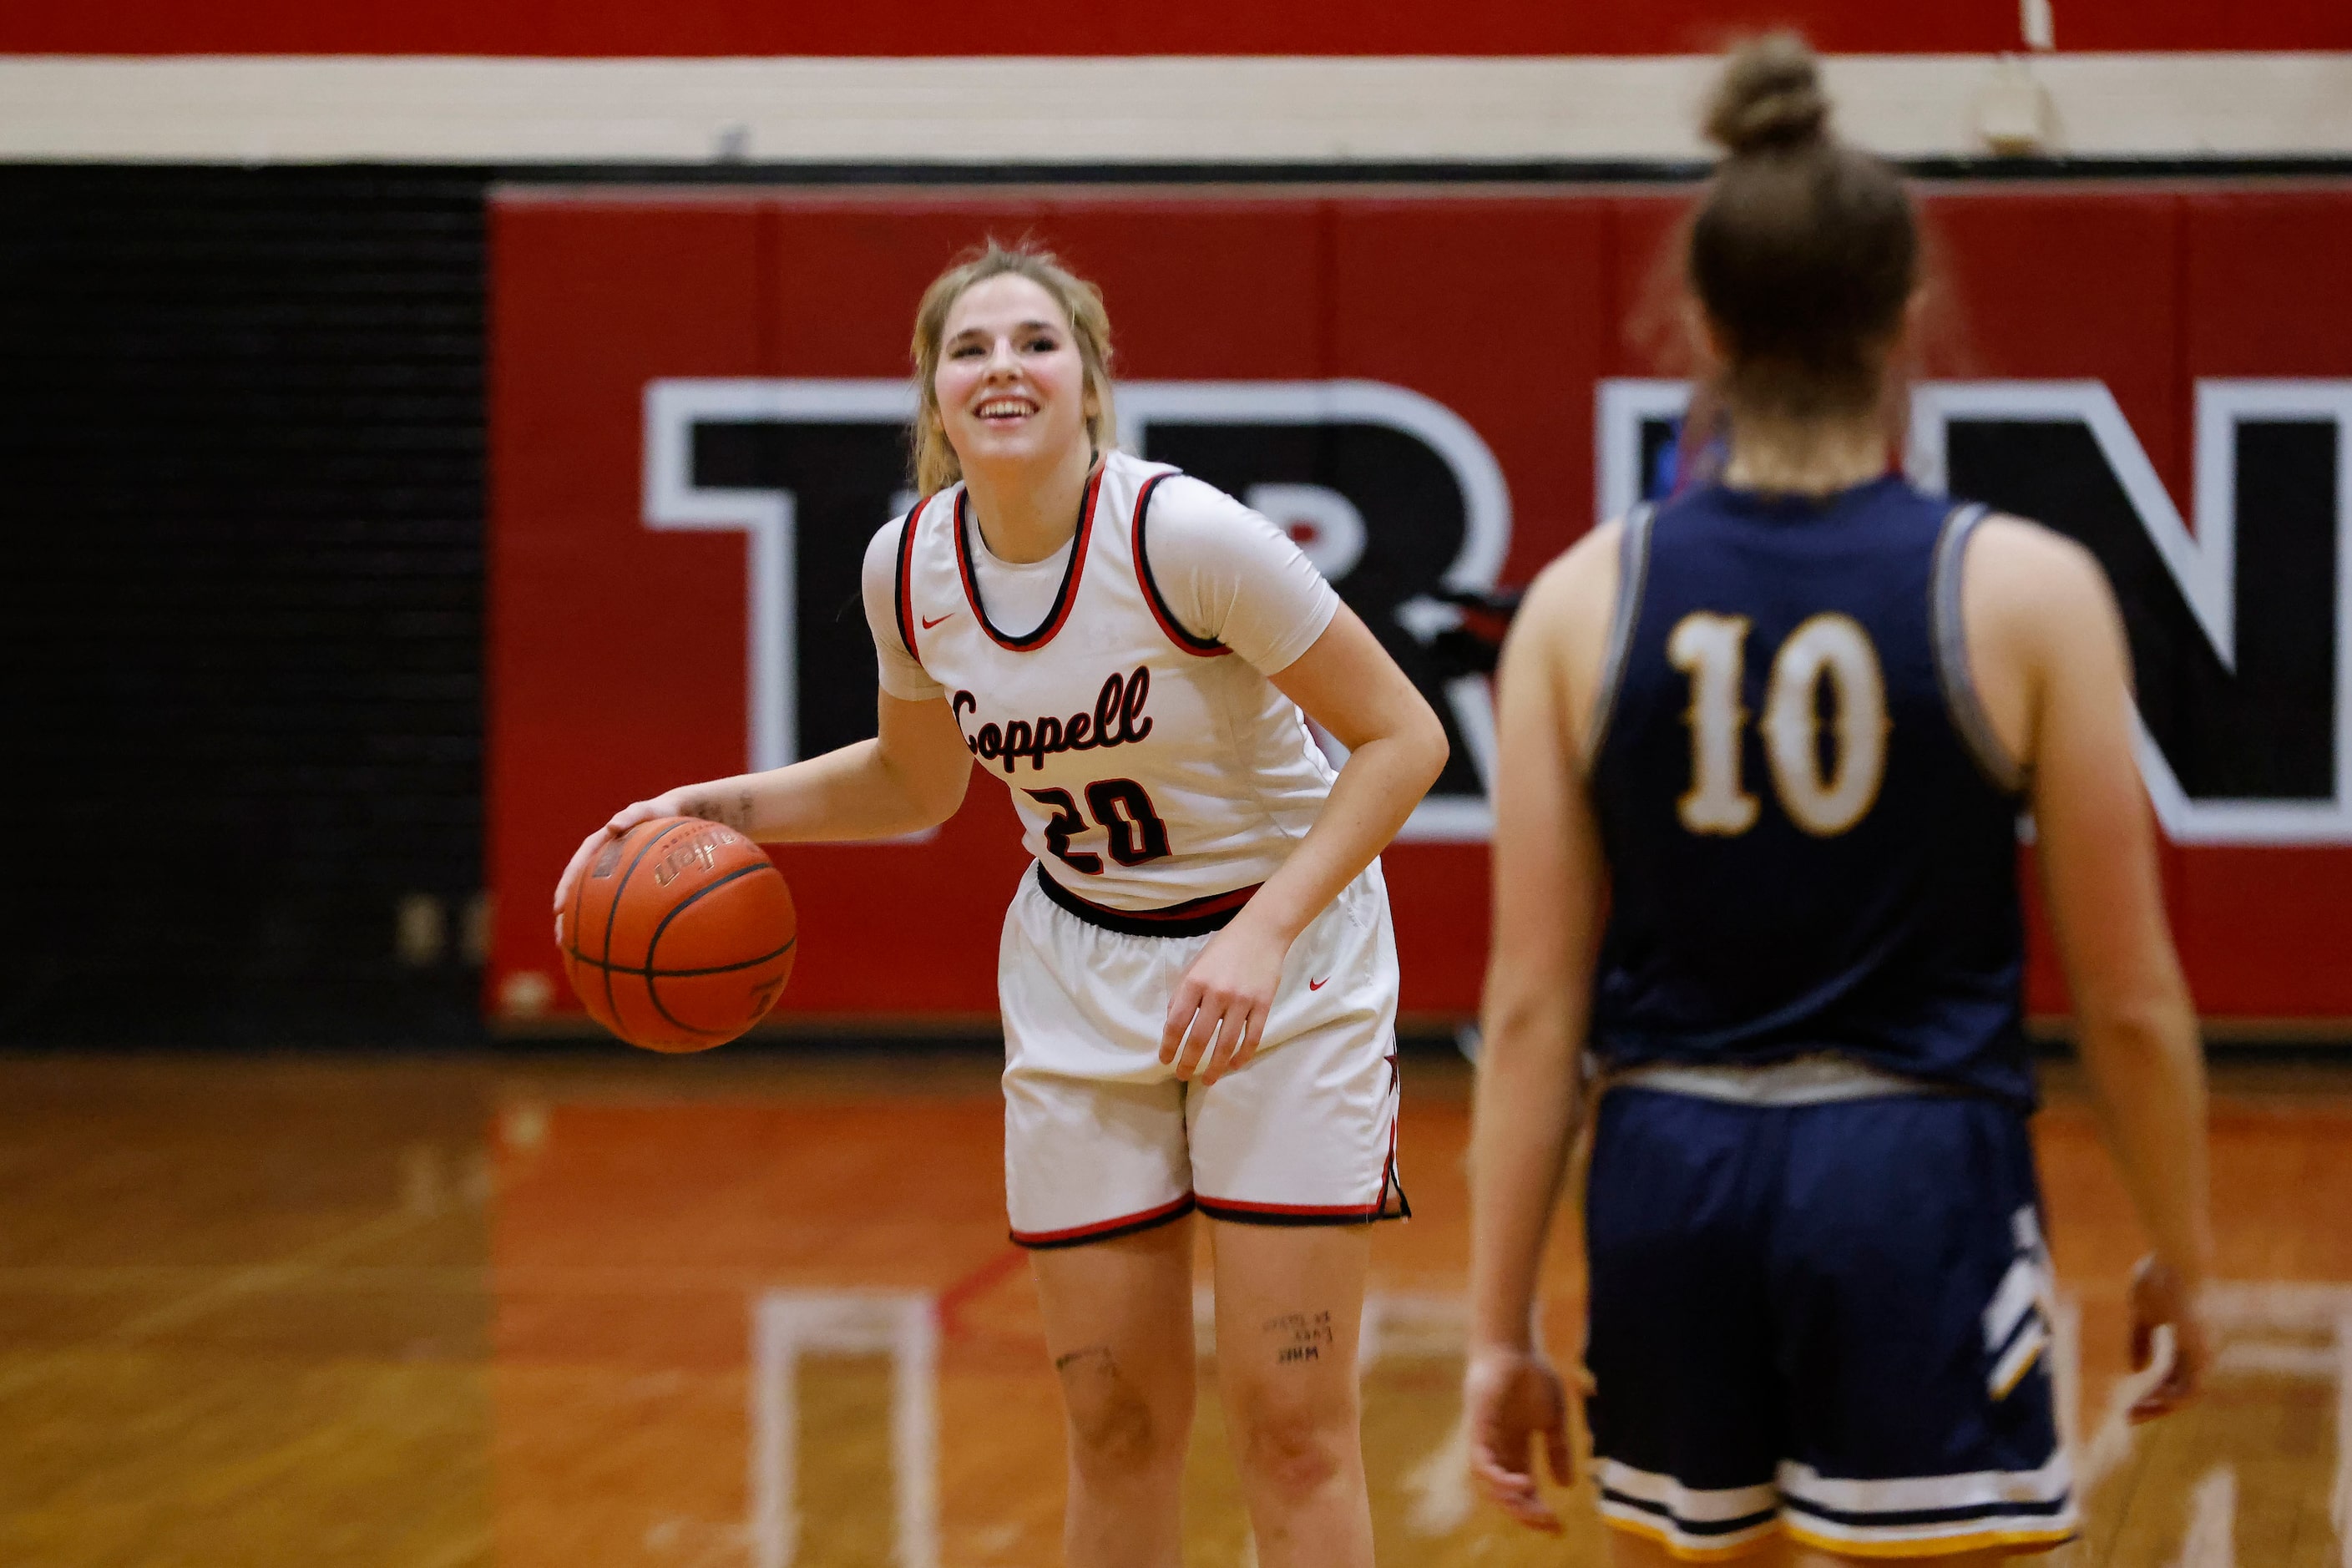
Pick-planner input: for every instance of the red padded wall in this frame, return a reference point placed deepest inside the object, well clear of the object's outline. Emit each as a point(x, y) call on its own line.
point(618, 653)
point(719, 27)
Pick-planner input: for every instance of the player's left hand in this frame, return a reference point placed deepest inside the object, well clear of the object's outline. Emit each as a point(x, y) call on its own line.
point(2161, 1299)
point(1221, 1006)
point(1517, 1404)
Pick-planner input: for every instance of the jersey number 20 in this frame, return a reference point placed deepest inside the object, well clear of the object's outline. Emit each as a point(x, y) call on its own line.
point(1712, 650)
point(1120, 808)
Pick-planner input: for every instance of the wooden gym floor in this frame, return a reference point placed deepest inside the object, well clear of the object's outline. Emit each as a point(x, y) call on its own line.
point(759, 1309)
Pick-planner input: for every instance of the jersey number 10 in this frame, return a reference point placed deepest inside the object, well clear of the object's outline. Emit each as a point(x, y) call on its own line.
point(1712, 650)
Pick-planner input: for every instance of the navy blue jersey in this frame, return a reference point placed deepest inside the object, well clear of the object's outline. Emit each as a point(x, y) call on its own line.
point(1811, 831)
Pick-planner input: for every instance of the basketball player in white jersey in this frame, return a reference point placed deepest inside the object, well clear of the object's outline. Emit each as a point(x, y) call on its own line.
point(1198, 978)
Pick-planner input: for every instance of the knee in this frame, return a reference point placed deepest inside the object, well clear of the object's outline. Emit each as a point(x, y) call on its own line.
point(1115, 1427)
point(1295, 1450)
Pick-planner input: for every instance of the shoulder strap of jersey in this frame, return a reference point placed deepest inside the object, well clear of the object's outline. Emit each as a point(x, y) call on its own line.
point(1632, 572)
point(901, 599)
point(1205, 648)
point(1949, 632)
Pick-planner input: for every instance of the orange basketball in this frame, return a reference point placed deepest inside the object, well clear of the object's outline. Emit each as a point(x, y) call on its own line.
point(680, 935)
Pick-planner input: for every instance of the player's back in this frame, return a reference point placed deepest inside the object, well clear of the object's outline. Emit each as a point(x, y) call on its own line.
point(1809, 830)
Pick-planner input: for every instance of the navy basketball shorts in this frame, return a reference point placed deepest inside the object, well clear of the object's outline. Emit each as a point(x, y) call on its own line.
point(1827, 1321)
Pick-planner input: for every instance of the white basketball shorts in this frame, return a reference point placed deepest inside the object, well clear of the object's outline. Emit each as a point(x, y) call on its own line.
point(1100, 1139)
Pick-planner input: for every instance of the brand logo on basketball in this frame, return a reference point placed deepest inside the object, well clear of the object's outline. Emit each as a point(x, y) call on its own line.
point(1117, 720)
point(699, 850)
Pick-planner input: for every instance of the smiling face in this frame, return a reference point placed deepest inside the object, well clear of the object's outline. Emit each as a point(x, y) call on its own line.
point(1012, 383)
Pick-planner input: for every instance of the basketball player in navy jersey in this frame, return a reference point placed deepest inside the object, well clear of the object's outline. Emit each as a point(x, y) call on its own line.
point(1198, 978)
point(1764, 751)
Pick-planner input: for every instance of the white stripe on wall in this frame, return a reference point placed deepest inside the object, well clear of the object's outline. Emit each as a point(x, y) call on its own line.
point(1241, 109)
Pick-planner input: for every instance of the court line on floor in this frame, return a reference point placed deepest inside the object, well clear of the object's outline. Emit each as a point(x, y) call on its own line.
point(789, 1325)
point(952, 1301)
point(655, 1279)
point(2210, 1540)
point(1439, 1485)
point(2339, 1509)
point(118, 1279)
point(252, 1280)
point(474, 1546)
point(651, 1278)
point(1427, 1325)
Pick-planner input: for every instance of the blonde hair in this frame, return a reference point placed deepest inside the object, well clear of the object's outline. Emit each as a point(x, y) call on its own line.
point(936, 465)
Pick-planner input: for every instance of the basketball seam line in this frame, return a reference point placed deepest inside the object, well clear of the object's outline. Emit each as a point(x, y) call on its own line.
point(613, 914)
point(652, 974)
point(652, 943)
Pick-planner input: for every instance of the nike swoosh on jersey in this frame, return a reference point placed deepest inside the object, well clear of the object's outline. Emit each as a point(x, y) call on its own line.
point(928, 623)
point(1319, 985)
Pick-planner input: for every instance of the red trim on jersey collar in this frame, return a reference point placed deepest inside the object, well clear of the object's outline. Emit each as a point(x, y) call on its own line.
point(903, 594)
point(1201, 648)
point(1064, 597)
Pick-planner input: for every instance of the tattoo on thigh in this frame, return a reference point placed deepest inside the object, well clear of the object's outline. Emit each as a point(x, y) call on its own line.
point(1299, 1336)
point(1092, 1353)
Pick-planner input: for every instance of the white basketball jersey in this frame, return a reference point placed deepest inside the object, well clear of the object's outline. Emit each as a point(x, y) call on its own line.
point(1150, 769)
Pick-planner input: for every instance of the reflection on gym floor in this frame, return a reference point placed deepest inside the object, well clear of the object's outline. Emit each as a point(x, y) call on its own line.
point(759, 1310)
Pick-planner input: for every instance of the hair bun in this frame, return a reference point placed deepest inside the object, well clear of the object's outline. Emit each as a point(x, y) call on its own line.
point(1769, 97)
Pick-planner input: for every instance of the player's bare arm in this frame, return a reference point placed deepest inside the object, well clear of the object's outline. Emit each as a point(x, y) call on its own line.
point(2058, 684)
point(1346, 682)
point(910, 777)
point(1549, 896)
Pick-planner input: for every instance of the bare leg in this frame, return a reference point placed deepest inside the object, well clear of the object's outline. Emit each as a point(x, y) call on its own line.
point(1118, 1324)
point(1290, 1304)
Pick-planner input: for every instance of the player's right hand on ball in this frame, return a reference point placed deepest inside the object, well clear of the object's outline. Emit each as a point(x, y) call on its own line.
point(1514, 1399)
point(629, 817)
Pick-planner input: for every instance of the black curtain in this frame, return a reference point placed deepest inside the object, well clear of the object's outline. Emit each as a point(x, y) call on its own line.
point(241, 432)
